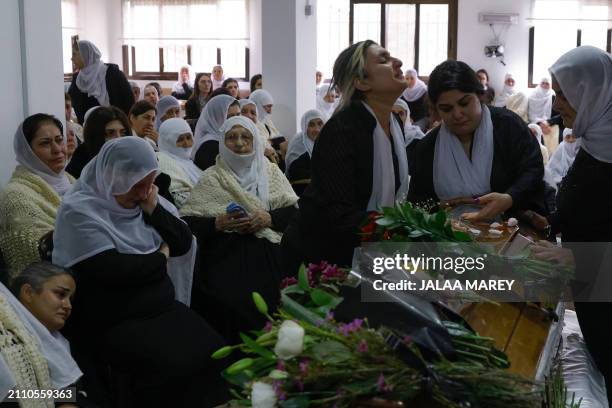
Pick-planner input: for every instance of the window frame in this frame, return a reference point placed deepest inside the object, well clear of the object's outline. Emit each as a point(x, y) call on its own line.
point(453, 14)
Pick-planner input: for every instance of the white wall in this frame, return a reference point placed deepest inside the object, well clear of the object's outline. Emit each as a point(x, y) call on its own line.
point(473, 36)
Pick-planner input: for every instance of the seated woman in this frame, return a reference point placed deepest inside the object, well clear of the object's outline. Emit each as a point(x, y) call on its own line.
point(479, 154)
point(536, 131)
point(416, 96)
point(248, 108)
point(488, 96)
point(502, 99)
point(232, 86)
point(168, 107)
point(33, 353)
point(128, 253)
point(240, 249)
point(208, 133)
point(150, 94)
point(200, 96)
point(142, 121)
point(358, 163)
point(29, 202)
point(562, 159)
point(183, 88)
point(264, 102)
point(299, 151)
point(540, 104)
point(97, 83)
point(175, 144)
point(326, 101)
point(217, 76)
point(256, 82)
point(102, 124)
point(135, 90)
point(411, 132)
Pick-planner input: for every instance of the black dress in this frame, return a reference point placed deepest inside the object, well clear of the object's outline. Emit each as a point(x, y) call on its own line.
point(299, 171)
point(419, 111)
point(185, 94)
point(334, 205)
point(118, 88)
point(206, 155)
point(125, 318)
point(517, 164)
point(232, 266)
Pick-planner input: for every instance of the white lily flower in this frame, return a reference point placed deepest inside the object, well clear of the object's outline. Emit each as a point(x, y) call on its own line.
point(290, 341)
point(263, 396)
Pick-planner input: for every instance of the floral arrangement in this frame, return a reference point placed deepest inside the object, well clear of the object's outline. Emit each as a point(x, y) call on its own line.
point(304, 357)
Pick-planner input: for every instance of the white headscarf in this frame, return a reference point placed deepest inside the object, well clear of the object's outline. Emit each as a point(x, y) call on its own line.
point(584, 75)
point(326, 108)
point(261, 97)
point(418, 90)
point(249, 170)
point(383, 174)
point(245, 102)
point(90, 220)
point(508, 91)
point(211, 119)
point(411, 131)
point(538, 130)
point(454, 174)
point(169, 133)
point(301, 143)
point(178, 86)
point(28, 159)
point(92, 78)
point(561, 160)
point(540, 103)
point(63, 370)
point(134, 84)
point(217, 84)
point(163, 105)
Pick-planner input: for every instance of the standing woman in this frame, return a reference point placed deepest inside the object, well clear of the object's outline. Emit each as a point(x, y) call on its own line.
point(183, 88)
point(416, 96)
point(199, 98)
point(97, 83)
point(479, 154)
point(358, 163)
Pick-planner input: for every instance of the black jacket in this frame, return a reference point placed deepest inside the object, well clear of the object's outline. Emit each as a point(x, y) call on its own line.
point(517, 169)
point(118, 88)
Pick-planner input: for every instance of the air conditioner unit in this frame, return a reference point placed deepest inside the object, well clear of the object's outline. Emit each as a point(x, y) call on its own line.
point(498, 18)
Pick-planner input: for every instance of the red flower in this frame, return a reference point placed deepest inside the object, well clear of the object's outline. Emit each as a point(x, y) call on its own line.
point(288, 282)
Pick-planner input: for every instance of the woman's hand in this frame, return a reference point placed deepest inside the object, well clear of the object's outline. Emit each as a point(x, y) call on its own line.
point(165, 249)
point(148, 204)
point(270, 153)
point(549, 252)
point(494, 204)
point(151, 133)
point(229, 222)
point(539, 222)
point(260, 219)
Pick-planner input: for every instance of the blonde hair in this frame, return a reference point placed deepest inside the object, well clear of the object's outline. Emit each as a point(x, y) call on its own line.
point(350, 65)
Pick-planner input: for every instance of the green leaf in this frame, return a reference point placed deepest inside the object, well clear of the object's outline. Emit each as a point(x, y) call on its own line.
point(321, 297)
point(462, 236)
point(331, 352)
point(303, 278)
point(300, 312)
point(386, 221)
point(296, 402)
point(239, 366)
point(440, 219)
point(260, 303)
point(291, 289)
point(256, 348)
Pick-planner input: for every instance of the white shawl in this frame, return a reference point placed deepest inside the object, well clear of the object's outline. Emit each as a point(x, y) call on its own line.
point(540, 103)
point(169, 133)
point(418, 90)
point(326, 108)
point(561, 161)
point(301, 143)
point(91, 79)
point(508, 91)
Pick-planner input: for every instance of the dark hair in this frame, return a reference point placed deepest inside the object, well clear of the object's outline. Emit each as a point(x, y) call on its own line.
point(235, 103)
point(349, 65)
point(228, 81)
point(36, 274)
point(483, 71)
point(451, 75)
point(254, 80)
point(196, 90)
point(94, 134)
point(32, 123)
point(220, 91)
point(141, 107)
point(157, 86)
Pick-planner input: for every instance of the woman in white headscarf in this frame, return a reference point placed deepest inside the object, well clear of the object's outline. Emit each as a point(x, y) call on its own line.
point(30, 200)
point(97, 83)
point(540, 102)
point(133, 259)
point(326, 101)
point(416, 96)
point(175, 145)
point(207, 133)
point(479, 155)
point(411, 132)
point(299, 151)
point(238, 211)
point(536, 131)
point(562, 159)
point(264, 102)
point(183, 88)
point(217, 77)
point(508, 91)
point(582, 81)
point(168, 107)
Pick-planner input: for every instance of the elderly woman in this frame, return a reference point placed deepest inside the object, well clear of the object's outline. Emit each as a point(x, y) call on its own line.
point(411, 132)
point(416, 96)
point(168, 107)
point(102, 124)
point(238, 211)
point(33, 353)
point(326, 101)
point(183, 88)
point(132, 257)
point(359, 161)
point(208, 133)
point(297, 161)
point(479, 155)
point(200, 96)
point(29, 202)
point(175, 145)
point(264, 102)
point(217, 76)
point(562, 159)
point(502, 99)
point(97, 83)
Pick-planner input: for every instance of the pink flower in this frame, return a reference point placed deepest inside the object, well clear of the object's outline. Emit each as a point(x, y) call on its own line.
point(278, 389)
point(329, 316)
point(363, 346)
point(352, 327)
point(381, 384)
point(288, 282)
point(280, 365)
point(268, 327)
point(304, 367)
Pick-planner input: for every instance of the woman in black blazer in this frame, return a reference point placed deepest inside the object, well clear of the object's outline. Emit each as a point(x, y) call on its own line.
point(97, 83)
point(358, 162)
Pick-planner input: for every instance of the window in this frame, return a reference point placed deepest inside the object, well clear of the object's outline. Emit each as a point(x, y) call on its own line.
point(162, 35)
point(69, 29)
point(332, 32)
point(559, 26)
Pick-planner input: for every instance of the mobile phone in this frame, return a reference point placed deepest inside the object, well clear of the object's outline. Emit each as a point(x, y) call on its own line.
point(236, 210)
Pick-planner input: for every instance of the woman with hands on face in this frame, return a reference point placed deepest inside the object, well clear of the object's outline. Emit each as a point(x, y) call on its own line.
point(240, 251)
